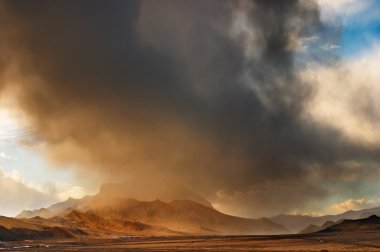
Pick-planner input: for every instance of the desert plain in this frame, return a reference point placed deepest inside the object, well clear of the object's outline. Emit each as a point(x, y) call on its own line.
point(366, 241)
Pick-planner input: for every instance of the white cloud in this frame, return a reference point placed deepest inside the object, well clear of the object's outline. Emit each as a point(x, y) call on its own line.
point(13, 122)
point(347, 97)
point(348, 7)
point(5, 156)
point(16, 194)
point(329, 47)
point(354, 204)
point(357, 11)
point(301, 44)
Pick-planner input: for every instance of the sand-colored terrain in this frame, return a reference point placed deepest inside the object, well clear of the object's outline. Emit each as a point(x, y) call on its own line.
point(349, 235)
point(316, 242)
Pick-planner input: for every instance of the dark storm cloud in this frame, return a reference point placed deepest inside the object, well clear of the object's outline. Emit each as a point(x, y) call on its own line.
point(141, 88)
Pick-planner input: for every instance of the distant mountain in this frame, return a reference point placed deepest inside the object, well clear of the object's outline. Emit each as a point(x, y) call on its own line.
point(111, 212)
point(188, 214)
point(295, 223)
point(314, 228)
point(370, 224)
point(167, 191)
point(53, 210)
point(180, 215)
point(42, 212)
point(69, 203)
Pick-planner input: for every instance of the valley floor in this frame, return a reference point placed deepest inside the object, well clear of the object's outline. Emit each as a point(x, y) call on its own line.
point(316, 242)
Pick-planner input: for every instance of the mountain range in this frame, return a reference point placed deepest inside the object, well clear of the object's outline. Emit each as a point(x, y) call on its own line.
point(112, 212)
point(109, 213)
point(297, 223)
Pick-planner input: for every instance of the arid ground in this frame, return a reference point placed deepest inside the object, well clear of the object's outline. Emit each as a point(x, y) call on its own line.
point(316, 242)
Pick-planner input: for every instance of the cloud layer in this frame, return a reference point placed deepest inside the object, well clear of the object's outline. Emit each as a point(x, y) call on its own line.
point(207, 94)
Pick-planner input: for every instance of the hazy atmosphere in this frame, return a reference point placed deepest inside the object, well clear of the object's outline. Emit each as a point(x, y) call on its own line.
point(256, 107)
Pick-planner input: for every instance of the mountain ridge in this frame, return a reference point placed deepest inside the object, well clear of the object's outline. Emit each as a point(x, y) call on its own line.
point(369, 224)
point(296, 223)
point(115, 212)
point(180, 215)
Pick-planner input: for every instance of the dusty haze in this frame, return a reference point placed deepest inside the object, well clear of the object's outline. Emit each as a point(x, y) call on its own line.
point(207, 94)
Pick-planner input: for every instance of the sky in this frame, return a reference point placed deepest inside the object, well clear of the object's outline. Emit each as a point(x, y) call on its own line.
point(260, 107)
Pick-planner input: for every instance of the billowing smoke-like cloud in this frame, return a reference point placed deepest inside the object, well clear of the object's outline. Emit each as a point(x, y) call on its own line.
point(205, 93)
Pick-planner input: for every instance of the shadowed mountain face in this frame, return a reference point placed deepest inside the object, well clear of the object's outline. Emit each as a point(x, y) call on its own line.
point(35, 228)
point(16, 234)
point(370, 224)
point(6, 234)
